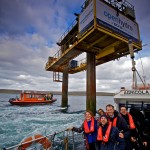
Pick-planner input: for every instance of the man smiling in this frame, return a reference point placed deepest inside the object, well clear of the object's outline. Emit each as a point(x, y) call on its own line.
point(120, 123)
point(108, 136)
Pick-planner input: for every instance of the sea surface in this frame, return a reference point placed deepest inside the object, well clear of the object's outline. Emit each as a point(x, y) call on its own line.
point(19, 122)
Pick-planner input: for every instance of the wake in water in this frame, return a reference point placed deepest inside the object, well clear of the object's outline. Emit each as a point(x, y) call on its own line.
point(17, 123)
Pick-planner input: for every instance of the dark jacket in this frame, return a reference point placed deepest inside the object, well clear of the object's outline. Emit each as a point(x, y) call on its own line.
point(121, 124)
point(91, 137)
point(132, 131)
point(113, 142)
point(122, 127)
point(143, 130)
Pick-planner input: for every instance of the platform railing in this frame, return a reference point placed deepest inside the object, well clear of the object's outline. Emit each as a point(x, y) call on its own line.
point(68, 30)
point(60, 52)
point(55, 57)
point(119, 4)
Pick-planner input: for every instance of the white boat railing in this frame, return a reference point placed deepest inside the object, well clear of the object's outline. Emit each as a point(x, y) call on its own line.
point(63, 140)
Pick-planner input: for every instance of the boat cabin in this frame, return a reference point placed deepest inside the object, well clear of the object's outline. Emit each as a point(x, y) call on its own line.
point(32, 96)
point(139, 99)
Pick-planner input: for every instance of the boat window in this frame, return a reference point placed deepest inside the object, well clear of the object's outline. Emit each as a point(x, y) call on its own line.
point(143, 107)
point(36, 96)
point(140, 105)
point(28, 96)
point(41, 96)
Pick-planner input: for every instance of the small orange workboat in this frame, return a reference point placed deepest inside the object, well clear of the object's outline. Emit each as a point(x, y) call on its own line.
point(33, 97)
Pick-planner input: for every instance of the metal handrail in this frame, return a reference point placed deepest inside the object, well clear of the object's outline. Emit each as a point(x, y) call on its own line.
point(68, 29)
point(34, 140)
point(66, 141)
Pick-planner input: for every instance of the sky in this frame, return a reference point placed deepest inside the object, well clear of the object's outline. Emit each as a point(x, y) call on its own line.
point(29, 30)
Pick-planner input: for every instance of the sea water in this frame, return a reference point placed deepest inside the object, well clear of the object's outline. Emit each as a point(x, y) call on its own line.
point(19, 122)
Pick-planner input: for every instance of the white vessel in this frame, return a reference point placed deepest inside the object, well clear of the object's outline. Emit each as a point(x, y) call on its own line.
point(138, 97)
point(133, 98)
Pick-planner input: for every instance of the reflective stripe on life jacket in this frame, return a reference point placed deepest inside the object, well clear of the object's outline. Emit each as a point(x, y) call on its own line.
point(131, 122)
point(86, 127)
point(100, 136)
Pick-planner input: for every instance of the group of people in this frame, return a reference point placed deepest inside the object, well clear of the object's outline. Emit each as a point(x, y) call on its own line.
point(48, 97)
point(112, 130)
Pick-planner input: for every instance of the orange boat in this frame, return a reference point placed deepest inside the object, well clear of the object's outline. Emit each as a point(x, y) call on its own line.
point(30, 97)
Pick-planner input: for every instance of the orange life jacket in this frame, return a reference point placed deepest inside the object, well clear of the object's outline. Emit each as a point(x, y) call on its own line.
point(131, 122)
point(100, 136)
point(114, 122)
point(86, 127)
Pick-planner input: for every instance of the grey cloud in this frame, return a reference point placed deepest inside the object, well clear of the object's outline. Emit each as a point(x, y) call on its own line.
point(23, 55)
point(14, 18)
point(143, 18)
point(45, 17)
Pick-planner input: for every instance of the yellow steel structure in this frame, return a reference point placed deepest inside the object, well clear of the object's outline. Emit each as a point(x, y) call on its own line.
point(102, 40)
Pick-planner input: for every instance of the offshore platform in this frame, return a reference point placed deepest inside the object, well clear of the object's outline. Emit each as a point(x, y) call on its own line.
point(105, 30)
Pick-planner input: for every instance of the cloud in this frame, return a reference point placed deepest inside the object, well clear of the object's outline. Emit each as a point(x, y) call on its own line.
point(143, 17)
point(29, 31)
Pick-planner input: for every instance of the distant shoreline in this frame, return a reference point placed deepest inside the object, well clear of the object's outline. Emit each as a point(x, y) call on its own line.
point(79, 93)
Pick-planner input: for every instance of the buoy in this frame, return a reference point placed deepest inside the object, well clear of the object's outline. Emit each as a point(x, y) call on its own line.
point(38, 138)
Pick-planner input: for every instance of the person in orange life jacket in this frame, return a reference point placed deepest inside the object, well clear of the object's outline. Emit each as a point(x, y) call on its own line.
point(108, 136)
point(89, 127)
point(120, 123)
point(133, 133)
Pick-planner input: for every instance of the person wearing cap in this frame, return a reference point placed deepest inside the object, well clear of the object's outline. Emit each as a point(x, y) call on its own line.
point(120, 123)
point(89, 127)
point(108, 136)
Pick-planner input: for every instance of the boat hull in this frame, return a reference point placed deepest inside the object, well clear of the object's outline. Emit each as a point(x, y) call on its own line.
point(23, 103)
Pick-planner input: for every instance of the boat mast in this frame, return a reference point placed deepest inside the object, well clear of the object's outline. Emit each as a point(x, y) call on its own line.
point(134, 82)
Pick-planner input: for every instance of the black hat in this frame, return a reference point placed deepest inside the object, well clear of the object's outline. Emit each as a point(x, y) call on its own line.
point(104, 116)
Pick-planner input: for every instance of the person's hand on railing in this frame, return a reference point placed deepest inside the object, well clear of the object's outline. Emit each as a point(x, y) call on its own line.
point(69, 129)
